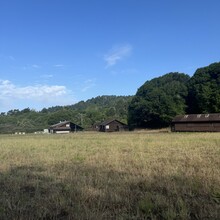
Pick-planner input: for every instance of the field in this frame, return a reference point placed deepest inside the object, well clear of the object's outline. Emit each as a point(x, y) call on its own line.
point(131, 175)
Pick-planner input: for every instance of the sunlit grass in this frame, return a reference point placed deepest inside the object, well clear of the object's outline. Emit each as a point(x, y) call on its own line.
point(110, 176)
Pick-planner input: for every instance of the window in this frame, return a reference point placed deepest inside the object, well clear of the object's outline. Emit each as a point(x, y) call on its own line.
point(107, 127)
point(186, 116)
point(198, 116)
point(207, 115)
point(68, 125)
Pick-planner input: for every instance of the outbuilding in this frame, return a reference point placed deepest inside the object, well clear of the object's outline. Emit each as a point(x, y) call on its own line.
point(196, 122)
point(64, 127)
point(112, 125)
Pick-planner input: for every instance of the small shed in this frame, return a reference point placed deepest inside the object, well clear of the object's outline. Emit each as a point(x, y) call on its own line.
point(112, 125)
point(64, 127)
point(196, 122)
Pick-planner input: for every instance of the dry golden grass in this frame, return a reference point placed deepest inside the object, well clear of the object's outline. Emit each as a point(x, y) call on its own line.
point(135, 175)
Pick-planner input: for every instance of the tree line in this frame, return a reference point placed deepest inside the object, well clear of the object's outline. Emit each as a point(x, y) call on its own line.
point(154, 105)
point(83, 113)
point(159, 100)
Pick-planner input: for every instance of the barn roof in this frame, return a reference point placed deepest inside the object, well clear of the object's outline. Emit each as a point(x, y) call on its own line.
point(111, 120)
point(59, 124)
point(197, 118)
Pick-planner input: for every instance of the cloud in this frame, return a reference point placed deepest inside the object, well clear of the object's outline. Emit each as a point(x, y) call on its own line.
point(8, 89)
point(88, 84)
point(7, 57)
point(11, 58)
point(46, 76)
point(116, 54)
point(36, 66)
point(29, 67)
point(15, 96)
point(59, 65)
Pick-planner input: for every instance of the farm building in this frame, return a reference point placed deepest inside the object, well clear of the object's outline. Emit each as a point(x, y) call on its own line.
point(112, 125)
point(64, 127)
point(196, 122)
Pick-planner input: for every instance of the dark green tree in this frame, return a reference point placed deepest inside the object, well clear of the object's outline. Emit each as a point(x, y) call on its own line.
point(158, 101)
point(204, 90)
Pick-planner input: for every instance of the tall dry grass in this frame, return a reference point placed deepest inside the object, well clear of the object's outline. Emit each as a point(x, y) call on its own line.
point(110, 176)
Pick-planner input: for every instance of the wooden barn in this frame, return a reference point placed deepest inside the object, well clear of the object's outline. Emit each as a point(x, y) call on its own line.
point(64, 128)
point(112, 125)
point(196, 122)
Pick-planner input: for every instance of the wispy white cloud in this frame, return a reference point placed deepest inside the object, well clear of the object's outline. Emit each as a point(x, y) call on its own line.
point(7, 57)
point(8, 89)
point(32, 66)
point(11, 58)
point(59, 65)
point(41, 95)
point(36, 66)
point(88, 84)
point(46, 76)
point(116, 54)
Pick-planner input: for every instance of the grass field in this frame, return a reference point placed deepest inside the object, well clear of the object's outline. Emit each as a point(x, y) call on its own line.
point(110, 176)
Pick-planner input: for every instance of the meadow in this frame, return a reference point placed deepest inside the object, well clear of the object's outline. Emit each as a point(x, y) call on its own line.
point(130, 175)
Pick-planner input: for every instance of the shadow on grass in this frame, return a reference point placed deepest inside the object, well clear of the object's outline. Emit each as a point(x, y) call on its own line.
point(34, 192)
point(27, 193)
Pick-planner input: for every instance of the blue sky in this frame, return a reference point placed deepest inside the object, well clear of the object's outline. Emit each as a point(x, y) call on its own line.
point(59, 52)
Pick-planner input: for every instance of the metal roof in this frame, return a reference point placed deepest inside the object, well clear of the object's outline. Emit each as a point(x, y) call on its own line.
point(111, 120)
point(59, 124)
point(198, 118)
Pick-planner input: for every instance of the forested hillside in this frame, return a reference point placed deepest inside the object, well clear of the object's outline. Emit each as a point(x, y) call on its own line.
point(153, 106)
point(157, 101)
point(204, 90)
point(84, 113)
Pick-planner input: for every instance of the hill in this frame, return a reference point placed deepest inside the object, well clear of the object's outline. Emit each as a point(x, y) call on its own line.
point(157, 101)
point(84, 113)
point(153, 106)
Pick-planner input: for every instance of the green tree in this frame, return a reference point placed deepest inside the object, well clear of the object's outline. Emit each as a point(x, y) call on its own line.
point(158, 101)
point(204, 90)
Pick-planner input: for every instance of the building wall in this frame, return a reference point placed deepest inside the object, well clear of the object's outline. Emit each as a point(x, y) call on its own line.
point(190, 126)
point(75, 127)
point(113, 126)
point(62, 132)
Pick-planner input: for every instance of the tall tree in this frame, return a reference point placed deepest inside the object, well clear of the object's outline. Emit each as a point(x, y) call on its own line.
point(158, 101)
point(204, 90)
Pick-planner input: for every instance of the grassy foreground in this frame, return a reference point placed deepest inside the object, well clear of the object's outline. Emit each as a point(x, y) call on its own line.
point(110, 176)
